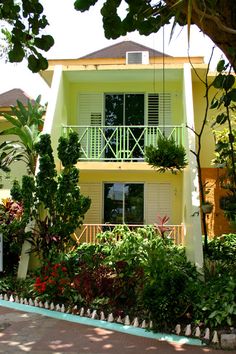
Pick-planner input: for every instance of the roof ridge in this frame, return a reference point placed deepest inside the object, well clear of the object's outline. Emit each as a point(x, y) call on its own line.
point(10, 97)
point(117, 50)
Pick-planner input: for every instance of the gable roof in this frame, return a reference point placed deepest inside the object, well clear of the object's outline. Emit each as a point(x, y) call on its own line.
point(9, 98)
point(119, 50)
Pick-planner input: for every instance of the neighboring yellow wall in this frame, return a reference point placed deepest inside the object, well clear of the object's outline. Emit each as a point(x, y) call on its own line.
point(91, 185)
point(217, 223)
point(208, 145)
point(18, 169)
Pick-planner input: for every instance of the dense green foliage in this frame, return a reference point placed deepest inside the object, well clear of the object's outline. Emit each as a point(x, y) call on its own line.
point(217, 301)
point(224, 101)
point(225, 150)
point(53, 203)
point(12, 228)
point(166, 156)
point(141, 275)
point(26, 125)
point(223, 249)
point(145, 16)
point(126, 277)
point(23, 22)
point(20, 287)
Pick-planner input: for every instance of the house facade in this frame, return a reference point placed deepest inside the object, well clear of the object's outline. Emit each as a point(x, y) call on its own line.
point(119, 100)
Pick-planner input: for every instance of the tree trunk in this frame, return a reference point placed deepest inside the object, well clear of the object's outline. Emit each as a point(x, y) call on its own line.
point(216, 19)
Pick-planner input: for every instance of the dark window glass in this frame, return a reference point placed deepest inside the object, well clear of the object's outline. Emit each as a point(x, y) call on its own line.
point(123, 203)
point(124, 110)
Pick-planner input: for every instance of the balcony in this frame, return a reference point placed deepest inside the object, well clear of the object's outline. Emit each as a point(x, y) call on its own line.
point(88, 232)
point(120, 143)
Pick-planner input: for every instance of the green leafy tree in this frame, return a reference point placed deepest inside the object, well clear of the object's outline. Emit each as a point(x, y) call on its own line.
point(224, 102)
point(54, 203)
point(23, 22)
point(26, 124)
point(212, 17)
point(225, 150)
point(223, 156)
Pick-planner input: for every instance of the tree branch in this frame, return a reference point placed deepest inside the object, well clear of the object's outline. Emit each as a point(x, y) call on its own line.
point(215, 19)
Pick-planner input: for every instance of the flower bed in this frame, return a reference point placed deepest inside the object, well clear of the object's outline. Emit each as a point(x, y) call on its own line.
point(142, 276)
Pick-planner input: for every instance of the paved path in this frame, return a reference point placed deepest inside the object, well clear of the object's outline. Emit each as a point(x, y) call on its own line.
point(22, 332)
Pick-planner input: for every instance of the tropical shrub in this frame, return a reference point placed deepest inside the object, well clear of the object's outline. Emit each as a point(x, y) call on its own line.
point(10, 285)
point(26, 126)
point(217, 301)
point(53, 283)
point(170, 284)
point(54, 203)
point(13, 231)
point(99, 275)
point(135, 272)
point(141, 274)
point(223, 249)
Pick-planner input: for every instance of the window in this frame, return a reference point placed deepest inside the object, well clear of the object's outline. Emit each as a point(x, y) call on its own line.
point(124, 110)
point(124, 203)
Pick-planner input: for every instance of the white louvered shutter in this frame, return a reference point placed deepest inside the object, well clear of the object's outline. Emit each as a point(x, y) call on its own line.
point(158, 201)
point(153, 109)
point(90, 112)
point(94, 191)
point(159, 112)
point(165, 112)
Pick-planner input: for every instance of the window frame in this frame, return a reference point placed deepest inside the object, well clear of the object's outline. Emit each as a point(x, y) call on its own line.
point(123, 200)
point(126, 93)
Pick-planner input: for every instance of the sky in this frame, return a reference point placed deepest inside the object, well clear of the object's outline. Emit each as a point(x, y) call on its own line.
point(77, 34)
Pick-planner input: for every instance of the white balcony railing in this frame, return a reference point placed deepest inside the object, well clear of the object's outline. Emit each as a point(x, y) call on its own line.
point(120, 143)
point(88, 232)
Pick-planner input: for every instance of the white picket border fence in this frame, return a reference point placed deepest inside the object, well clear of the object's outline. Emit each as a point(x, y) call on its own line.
point(204, 334)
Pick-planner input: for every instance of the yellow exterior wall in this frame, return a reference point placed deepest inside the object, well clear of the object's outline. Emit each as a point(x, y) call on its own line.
point(134, 86)
point(207, 152)
point(94, 191)
point(91, 185)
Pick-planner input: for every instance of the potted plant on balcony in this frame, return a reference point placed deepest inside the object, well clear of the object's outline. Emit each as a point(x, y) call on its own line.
point(207, 207)
point(166, 156)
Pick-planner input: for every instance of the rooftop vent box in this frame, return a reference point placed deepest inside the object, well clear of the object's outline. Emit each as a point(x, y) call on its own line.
point(137, 57)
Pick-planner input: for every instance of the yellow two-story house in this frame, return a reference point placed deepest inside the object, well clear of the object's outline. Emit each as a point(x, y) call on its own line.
point(119, 99)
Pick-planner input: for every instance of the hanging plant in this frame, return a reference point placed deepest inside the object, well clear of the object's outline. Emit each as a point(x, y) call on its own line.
point(166, 156)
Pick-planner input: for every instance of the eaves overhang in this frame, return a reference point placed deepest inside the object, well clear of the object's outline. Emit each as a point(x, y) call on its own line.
point(117, 73)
